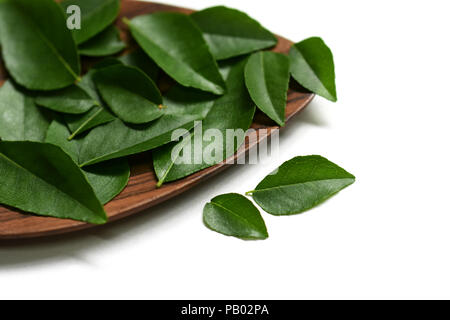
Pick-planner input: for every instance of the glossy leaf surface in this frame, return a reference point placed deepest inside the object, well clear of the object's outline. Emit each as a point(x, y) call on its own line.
point(104, 44)
point(176, 44)
point(267, 79)
point(234, 215)
point(231, 33)
point(301, 184)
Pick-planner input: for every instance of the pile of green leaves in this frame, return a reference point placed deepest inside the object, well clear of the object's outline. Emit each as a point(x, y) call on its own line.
point(65, 136)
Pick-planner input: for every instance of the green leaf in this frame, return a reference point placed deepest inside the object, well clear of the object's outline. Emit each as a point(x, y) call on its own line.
point(267, 79)
point(107, 179)
point(116, 139)
point(236, 216)
point(104, 44)
point(96, 116)
point(38, 49)
point(20, 118)
point(130, 93)
point(300, 184)
point(233, 111)
point(312, 66)
point(141, 60)
point(41, 178)
point(96, 16)
point(231, 33)
point(71, 100)
point(176, 44)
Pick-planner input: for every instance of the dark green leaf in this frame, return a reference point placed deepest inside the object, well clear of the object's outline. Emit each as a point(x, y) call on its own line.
point(236, 216)
point(233, 111)
point(71, 100)
point(20, 118)
point(104, 44)
point(231, 33)
point(40, 178)
point(312, 66)
point(96, 116)
point(141, 60)
point(107, 179)
point(176, 44)
point(116, 139)
point(38, 49)
point(96, 16)
point(267, 80)
point(130, 93)
point(301, 184)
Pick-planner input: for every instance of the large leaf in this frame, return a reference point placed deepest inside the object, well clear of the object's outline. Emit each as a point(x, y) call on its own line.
point(267, 79)
point(96, 15)
point(300, 184)
point(141, 60)
point(96, 116)
point(312, 66)
point(104, 44)
point(20, 118)
point(107, 179)
point(233, 111)
point(116, 139)
point(130, 93)
point(38, 49)
point(230, 33)
point(176, 44)
point(41, 178)
point(71, 100)
point(234, 215)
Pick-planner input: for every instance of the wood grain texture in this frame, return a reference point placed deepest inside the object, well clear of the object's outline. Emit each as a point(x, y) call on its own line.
point(141, 192)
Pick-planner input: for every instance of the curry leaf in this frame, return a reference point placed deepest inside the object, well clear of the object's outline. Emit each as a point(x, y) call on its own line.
point(300, 184)
point(141, 60)
point(38, 49)
point(130, 93)
point(107, 179)
point(96, 15)
point(176, 44)
point(234, 215)
point(312, 66)
point(267, 79)
point(116, 139)
point(230, 33)
point(41, 178)
point(233, 111)
point(20, 118)
point(71, 100)
point(104, 44)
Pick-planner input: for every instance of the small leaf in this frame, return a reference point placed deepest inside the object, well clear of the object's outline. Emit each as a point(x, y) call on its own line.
point(130, 93)
point(232, 111)
point(71, 100)
point(176, 44)
point(231, 33)
point(104, 44)
point(236, 216)
point(96, 16)
point(267, 80)
point(141, 60)
point(38, 49)
point(41, 178)
point(300, 184)
point(107, 179)
point(312, 66)
point(20, 118)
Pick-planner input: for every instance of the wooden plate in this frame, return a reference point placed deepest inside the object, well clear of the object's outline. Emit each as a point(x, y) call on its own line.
point(141, 192)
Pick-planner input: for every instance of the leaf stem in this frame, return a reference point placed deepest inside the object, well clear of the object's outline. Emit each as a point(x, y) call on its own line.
point(126, 21)
point(250, 193)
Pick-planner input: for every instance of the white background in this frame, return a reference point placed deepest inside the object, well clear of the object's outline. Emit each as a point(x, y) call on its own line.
point(387, 236)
